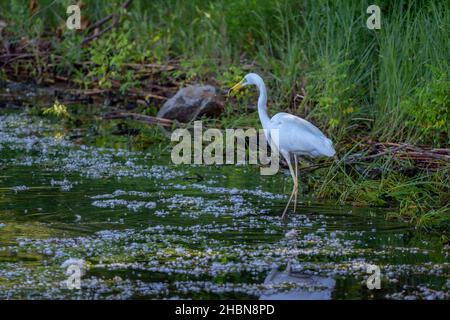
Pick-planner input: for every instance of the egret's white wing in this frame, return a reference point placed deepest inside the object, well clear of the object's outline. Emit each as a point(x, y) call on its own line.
point(288, 118)
point(299, 136)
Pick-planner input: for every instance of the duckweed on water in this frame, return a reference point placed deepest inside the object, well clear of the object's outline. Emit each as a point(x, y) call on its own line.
point(142, 231)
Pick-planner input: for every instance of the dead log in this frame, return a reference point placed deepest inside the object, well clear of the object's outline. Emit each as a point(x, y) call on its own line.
point(143, 118)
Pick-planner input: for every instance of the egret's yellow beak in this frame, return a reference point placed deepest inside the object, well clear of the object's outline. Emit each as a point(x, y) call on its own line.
point(236, 87)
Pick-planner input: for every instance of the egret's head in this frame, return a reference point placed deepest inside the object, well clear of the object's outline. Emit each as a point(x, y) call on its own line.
point(250, 78)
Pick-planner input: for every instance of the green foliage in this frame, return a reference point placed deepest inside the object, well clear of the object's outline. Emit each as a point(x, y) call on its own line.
point(355, 81)
point(109, 55)
point(428, 108)
point(231, 76)
point(57, 110)
point(422, 199)
point(71, 54)
point(333, 93)
point(389, 84)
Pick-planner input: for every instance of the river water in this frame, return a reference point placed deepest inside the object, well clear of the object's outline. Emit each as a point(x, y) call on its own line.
point(139, 227)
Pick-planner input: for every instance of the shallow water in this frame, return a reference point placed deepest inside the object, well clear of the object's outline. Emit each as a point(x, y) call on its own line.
point(145, 228)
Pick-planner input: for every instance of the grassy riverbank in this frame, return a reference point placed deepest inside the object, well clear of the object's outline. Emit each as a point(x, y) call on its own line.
point(319, 60)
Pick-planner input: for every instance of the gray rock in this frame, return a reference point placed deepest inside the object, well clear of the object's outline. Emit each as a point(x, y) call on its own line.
point(192, 102)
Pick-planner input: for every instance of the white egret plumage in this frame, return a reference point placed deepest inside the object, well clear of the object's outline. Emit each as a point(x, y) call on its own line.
point(297, 137)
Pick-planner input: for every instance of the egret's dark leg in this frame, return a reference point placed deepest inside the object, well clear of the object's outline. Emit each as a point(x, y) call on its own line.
point(296, 182)
point(291, 170)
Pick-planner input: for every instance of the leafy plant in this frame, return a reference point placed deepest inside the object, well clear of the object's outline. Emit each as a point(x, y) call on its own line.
point(58, 110)
point(332, 93)
point(428, 109)
point(110, 56)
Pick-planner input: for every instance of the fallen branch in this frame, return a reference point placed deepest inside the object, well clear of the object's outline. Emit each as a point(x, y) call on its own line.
point(151, 66)
point(115, 21)
point(15, 57)
point(140, 93)
point(143, 118)
point(423, 158)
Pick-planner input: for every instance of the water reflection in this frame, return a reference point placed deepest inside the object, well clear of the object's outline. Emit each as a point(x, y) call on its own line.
point(306, 287)
point(147, 230)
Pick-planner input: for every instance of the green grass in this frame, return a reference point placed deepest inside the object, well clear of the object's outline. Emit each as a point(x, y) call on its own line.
point(387, 85)
point(353, 79)
point(421, 199)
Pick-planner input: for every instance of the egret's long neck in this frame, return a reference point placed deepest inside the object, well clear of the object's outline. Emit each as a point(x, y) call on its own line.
point(262, 106)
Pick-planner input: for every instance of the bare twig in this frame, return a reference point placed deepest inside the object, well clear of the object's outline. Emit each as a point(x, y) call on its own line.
point(115, 21)
point(151, 66)
point(140, 117)
point(429, 158)
point(16, 57)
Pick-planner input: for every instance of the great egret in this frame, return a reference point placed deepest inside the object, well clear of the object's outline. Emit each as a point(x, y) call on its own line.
point(297, 137)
